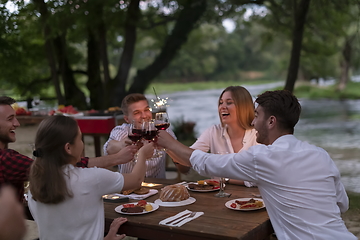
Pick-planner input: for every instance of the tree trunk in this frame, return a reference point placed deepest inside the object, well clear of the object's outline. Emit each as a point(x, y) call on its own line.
point(132, 18)
point(49, 48)
point(345, 65)
point(300, 12)
point(94, 83)
point(73, 95)
point(186, 22)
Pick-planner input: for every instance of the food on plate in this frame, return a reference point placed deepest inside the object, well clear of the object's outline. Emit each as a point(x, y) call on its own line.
point(212, 182)
point(139, 191)
point(137, 208)
point(252, 203)
point(174, 193)
point(200, 186)
point(148, 207)
point(114, 109)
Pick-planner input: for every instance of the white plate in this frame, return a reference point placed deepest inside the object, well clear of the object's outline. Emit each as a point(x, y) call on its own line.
point(188, 201)
point(228, 203)
point(118, 209)
point(196, 190)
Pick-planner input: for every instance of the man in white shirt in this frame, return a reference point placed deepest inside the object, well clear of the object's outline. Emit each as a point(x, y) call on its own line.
point(299, 182)
point(135, 107)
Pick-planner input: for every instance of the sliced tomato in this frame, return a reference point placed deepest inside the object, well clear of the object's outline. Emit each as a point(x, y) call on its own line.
point(128, 205)
point(141, 203)
point(233, 205)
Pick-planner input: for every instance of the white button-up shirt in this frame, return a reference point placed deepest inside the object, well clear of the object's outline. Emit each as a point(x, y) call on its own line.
point(299, 182)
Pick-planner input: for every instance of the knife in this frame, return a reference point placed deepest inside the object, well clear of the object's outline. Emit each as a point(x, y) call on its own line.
point(185, 215)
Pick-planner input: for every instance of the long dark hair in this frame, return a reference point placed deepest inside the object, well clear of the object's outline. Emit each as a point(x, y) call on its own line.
point(47, 179)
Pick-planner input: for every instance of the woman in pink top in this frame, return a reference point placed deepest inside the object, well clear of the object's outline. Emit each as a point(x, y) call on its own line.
point(234, 133)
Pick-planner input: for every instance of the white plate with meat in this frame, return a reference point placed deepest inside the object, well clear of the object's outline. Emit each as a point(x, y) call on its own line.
point(245, 204)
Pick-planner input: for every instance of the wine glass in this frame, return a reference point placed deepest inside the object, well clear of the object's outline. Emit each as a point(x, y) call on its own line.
point(162, 121)
point(150, 133)
point(135, 132)
point(221, 192)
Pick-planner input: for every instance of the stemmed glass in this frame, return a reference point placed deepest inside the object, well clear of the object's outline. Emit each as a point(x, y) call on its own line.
point(162, 121)
point(150, 133)
point(221, 192)
point(135, 132)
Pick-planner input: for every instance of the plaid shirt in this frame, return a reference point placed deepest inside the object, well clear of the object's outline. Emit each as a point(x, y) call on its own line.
point(14, 169)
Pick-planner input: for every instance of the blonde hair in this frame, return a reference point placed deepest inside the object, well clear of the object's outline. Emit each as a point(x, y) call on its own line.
point(244, 105)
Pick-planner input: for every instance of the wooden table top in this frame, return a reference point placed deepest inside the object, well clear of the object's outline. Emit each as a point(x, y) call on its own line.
point(218, 222)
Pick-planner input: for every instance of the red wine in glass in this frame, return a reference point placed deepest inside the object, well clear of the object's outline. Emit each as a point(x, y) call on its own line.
point(150, 135)
point(162, 126)
point(137, 131)
point(135, 137)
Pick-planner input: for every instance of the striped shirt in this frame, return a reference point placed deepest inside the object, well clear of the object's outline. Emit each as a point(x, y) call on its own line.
point(155, 168)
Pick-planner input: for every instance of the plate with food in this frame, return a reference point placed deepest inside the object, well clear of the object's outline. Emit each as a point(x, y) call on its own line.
point(174, 196)
point(188, 201)
point(203, 186)
point(141, 207)
point(245, 204)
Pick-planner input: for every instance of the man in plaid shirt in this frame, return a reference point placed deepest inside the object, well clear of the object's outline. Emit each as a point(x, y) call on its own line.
point(14, 167)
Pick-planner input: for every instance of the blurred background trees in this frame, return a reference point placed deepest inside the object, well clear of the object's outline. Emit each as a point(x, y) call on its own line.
point(90, 54)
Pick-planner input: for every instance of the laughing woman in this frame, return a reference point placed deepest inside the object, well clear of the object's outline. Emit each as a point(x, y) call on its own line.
point(234, 133)
point(66, 201)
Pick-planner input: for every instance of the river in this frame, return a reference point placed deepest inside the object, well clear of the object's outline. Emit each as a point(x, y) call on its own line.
point(331, 124)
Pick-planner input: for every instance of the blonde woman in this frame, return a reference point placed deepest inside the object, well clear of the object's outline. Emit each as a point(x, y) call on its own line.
point(234, 133)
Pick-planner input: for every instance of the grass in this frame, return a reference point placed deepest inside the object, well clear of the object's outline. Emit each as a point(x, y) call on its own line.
point(162, 88)
point(354, 200)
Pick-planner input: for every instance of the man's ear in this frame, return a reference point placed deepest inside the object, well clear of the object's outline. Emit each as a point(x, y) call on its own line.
point(126, 118)
point(67, 148)
point(272, 121)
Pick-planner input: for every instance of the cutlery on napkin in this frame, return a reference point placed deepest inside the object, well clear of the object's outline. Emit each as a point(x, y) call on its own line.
point(137, 196)
point(180, 219)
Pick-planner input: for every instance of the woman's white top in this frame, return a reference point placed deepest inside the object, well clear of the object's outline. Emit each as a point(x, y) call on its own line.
point(81, 216)
point(217, 140)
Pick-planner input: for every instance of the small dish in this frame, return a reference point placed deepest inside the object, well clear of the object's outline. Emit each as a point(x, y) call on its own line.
point(228, 204)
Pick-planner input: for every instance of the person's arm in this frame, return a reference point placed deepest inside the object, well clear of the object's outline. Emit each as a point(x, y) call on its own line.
point(115, 146)
point(121, 157)
point(182, 152)
point(12, 218)
point(134, 179)
point(181, 168)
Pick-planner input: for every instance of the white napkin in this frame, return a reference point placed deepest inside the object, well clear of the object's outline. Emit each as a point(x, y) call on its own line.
point(137, 196)
point(163, 222)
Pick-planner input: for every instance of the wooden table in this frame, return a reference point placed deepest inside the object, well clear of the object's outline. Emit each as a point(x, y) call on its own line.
point(218, 222)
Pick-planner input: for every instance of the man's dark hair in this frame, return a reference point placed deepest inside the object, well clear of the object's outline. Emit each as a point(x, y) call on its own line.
point(283, 105)
point(4, 100)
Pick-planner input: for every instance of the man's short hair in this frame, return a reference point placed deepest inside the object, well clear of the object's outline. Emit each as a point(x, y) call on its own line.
point(283, 105)
point(4, 100)
point(129, 99)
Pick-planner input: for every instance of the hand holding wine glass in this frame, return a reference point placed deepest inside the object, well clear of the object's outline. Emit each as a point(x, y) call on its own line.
point(150, 133)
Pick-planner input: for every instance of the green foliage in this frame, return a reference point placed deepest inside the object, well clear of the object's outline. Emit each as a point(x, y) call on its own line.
point(354, 199)
point(305, 90)
point(184, 131)
point(162, 88)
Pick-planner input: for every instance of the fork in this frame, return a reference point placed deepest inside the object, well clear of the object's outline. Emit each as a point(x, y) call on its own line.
point(190, 216)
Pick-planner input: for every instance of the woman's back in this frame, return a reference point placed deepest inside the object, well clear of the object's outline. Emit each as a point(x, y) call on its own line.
point(80, 216)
